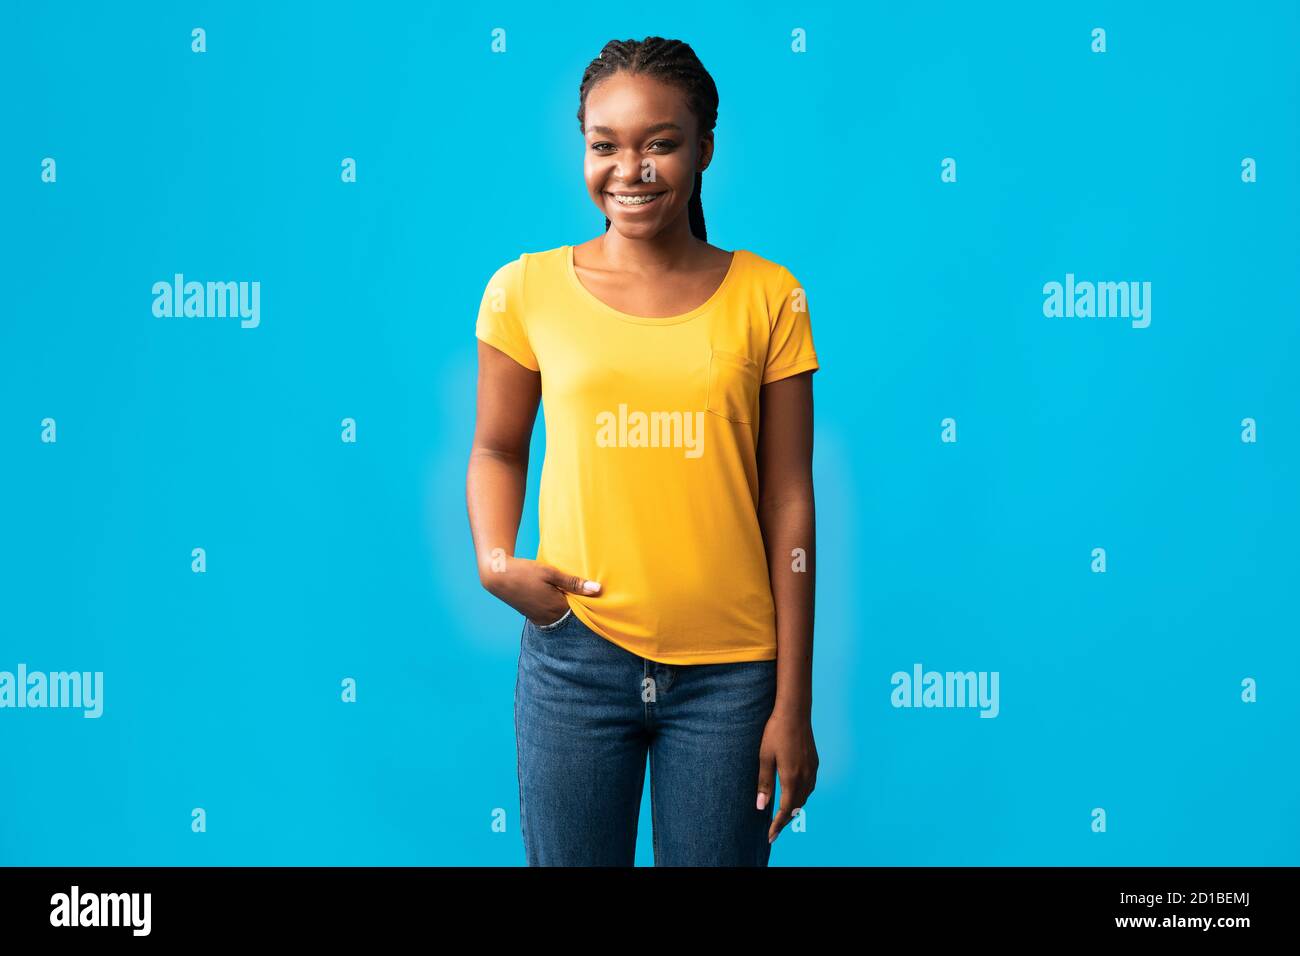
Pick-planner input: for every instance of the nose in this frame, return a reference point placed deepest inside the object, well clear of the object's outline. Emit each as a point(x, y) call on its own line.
point(627, 172)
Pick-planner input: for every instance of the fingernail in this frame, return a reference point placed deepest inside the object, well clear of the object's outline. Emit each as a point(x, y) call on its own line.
point(591, 587)
point(762, 801)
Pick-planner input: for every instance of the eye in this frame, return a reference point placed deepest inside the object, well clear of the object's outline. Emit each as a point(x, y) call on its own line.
point(597, 147)
point(666, 143)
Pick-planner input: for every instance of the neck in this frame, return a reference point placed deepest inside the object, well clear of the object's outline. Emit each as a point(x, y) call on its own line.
point(670, 249)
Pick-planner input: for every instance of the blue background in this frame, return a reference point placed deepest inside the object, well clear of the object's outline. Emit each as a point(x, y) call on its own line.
point(329, 560)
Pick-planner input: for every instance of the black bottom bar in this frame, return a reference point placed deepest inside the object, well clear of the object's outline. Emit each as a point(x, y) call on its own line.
point(238, 904)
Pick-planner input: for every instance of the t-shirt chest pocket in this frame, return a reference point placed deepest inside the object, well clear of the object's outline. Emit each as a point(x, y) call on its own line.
point(733, 386)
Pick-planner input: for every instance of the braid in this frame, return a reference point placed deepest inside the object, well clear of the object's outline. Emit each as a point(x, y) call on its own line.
point(672, 61)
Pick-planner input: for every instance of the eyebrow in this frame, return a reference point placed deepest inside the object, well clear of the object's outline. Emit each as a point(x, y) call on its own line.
point(656, 128)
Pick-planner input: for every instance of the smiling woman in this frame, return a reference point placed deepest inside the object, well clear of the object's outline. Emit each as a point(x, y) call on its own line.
point(633, 152)
point(662, 614)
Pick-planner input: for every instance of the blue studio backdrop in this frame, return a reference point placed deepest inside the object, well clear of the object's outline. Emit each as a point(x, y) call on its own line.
point(248, 532)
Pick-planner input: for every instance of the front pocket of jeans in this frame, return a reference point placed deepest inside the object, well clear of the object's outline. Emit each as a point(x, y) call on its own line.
point(556, 624)
point(733, 386)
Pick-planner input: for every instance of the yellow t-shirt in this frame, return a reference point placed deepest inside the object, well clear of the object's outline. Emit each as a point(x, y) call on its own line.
point(650, 481)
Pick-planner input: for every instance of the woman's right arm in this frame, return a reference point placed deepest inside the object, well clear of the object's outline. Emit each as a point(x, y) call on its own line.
point(507, 402)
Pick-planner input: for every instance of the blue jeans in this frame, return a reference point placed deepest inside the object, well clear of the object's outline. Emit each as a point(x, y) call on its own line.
point(586, 714)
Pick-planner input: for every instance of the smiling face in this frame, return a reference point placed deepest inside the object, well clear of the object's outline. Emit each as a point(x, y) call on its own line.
point(642, 153)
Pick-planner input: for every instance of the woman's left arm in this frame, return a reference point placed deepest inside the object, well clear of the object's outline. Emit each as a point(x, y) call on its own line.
point(786, 516)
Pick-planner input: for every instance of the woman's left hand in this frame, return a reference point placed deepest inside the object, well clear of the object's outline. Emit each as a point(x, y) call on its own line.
point(787, 750)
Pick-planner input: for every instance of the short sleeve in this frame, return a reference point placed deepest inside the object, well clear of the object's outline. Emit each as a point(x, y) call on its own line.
point(790, 346)
point(501, 315)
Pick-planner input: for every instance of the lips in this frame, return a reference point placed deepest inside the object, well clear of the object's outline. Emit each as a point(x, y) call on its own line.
point(633, 200)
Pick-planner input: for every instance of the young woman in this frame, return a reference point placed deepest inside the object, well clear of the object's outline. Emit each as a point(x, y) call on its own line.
point(670, 607)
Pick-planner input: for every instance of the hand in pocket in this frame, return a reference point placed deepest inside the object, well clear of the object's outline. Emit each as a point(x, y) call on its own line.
point(537, 590)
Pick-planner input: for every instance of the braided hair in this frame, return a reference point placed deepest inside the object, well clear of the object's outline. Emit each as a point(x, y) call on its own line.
point(671, 61)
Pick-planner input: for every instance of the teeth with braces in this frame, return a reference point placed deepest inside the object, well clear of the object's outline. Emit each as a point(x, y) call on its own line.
point(635, 200)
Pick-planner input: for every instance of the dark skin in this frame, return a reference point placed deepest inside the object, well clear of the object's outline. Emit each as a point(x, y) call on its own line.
point(642, 137)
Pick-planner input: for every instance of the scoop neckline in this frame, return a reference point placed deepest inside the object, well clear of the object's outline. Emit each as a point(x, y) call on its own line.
point(589, 296)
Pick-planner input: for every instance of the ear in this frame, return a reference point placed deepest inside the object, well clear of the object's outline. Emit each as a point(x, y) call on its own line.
point(706, 151)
